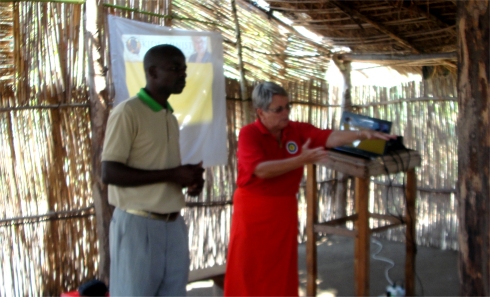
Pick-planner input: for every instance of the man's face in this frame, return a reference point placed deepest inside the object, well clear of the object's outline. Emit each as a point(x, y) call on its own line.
point(170, 74)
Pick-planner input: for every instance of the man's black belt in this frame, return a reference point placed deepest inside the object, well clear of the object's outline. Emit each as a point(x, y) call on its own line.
point(167, 217)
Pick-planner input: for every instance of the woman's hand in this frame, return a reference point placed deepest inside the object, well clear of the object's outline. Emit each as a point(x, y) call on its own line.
point(275, 168)
point(343, 137)
point(371, 134)
point(309, 156)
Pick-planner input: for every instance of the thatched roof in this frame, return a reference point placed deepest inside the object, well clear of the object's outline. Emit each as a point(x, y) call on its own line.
point(390, 29)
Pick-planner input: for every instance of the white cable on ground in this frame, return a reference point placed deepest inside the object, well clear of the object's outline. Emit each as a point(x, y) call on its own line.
point(375, 257)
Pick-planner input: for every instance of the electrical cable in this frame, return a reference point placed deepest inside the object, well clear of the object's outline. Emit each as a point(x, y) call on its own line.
point(404, 169)
point(409, 214)
point(399, 163)
point(398, 214)
point(384, 259)
point(421, 284)
point(397, 158)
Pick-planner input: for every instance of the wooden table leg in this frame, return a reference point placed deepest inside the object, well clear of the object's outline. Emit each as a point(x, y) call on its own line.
point(311, 220)
point(411, 192)
point(361, 263)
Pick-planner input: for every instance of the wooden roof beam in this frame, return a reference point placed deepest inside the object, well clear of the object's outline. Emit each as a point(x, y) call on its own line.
point(385, 57)
point(354, 13)
point(444, 58)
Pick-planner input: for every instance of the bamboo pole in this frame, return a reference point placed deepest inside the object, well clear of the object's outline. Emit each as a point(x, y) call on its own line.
point(342, 178)
point(361, 247)
point(243, 86)
point(311, 220)
point(168, 11)
point(411, 244)
point(99, 113)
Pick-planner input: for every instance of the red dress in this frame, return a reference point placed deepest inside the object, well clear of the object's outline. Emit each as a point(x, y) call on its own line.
point(262, 255)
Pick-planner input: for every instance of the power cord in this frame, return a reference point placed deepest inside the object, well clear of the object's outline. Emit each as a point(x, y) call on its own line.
point(398, 214)
point(384, 259)
point(409, 214)
point(393, 289)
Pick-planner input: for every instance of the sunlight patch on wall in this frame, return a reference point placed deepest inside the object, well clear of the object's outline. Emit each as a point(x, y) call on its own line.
point(370, 74)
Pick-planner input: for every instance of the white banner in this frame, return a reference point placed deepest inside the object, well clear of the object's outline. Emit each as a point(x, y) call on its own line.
point(201, 107)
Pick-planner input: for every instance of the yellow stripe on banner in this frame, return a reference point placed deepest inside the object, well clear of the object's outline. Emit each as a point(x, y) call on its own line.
point(195, 104)
point(135, 77)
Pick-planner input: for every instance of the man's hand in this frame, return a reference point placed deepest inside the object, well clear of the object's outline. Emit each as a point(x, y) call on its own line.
point(189, 174)
point(195, 189)
point(196, 180)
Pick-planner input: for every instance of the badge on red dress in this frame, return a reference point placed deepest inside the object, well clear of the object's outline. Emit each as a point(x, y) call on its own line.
point(292, 147)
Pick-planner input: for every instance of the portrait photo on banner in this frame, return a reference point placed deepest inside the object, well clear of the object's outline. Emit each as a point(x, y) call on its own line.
point(201, 108)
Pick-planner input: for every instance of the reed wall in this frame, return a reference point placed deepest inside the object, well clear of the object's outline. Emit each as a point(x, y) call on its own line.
point(47, 220)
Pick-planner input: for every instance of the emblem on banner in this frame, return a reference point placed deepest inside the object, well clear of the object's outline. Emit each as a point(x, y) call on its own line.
point(292, 147)
point(133, 45)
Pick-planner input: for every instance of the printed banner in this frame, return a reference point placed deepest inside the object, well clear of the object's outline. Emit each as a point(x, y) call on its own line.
point(201, 107)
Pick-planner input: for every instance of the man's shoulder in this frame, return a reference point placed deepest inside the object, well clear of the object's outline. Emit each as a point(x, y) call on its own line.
point(132, 103)
point(129, 102)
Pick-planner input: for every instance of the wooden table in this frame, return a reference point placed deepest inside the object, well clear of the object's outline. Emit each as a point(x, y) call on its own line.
point(362, 170)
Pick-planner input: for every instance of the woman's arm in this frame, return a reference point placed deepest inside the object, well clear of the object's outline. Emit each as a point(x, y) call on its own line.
point(275, 168)
point(341, 137)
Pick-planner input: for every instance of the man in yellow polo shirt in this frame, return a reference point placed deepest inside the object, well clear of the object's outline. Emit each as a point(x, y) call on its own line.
point(141, 163)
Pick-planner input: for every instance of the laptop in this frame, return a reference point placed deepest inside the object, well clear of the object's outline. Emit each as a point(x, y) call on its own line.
point(369, 148)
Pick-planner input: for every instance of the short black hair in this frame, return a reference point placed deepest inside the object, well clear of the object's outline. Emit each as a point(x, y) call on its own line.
point(158, 52)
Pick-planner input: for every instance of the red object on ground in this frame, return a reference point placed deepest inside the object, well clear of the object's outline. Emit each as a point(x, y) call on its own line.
point(73, 294)
point(70, 294)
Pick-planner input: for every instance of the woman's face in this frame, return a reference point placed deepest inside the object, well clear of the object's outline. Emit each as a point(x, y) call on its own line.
point(199, 44)
point(276, 116)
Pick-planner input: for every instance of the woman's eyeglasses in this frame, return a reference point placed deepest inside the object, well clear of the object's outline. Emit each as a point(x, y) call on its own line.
point(280, 108)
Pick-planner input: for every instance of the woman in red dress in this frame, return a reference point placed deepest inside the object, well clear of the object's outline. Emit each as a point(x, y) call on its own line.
point(262, 254)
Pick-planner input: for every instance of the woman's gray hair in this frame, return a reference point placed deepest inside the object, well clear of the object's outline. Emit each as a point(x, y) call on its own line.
point(263, 92)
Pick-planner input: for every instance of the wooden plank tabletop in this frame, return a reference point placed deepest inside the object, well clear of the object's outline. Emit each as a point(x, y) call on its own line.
point(397, 161)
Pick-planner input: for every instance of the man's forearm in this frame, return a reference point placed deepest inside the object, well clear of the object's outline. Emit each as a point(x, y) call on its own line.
point(119, 174)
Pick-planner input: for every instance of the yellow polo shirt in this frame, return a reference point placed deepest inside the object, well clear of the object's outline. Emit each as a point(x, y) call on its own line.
point(141, 134)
